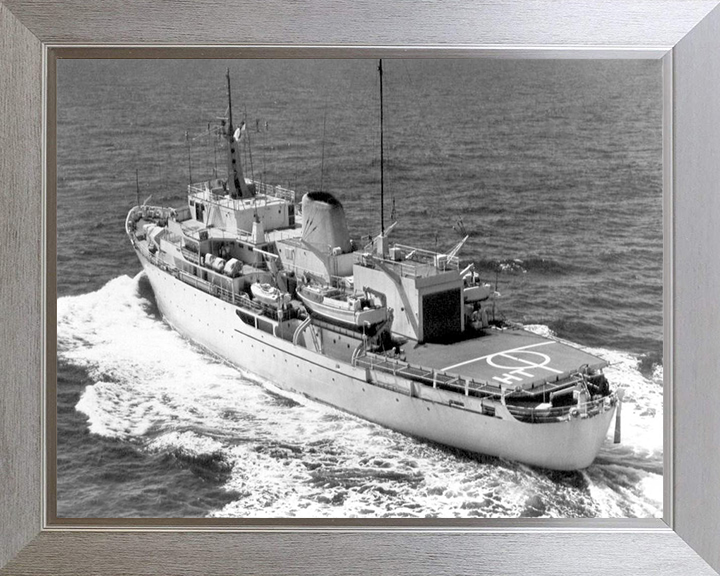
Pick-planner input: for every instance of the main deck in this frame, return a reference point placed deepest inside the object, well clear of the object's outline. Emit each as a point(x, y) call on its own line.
point(507, 358)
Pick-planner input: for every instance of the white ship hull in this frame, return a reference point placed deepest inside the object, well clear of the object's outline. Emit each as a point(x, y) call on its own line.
point(391, 401)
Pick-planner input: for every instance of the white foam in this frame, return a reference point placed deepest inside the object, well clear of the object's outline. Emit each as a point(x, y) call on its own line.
point(188, 442)
point(652, 487)
point(303, 459)
point(627, 480)
point(642, 425)
point(145, 375)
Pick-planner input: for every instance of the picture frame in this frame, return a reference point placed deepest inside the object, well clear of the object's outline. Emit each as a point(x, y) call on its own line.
point(684, 34)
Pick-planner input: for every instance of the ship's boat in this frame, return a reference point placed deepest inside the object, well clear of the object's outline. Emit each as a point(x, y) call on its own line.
point(398, 335)
point(477, 293)
point(339, 307)
point(474, 290)
point(269, 295)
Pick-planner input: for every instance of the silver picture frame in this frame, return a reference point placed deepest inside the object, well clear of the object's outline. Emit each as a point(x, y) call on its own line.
point(683, 34)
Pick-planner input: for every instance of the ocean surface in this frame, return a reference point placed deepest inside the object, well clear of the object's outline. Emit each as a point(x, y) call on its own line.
point(552, 167)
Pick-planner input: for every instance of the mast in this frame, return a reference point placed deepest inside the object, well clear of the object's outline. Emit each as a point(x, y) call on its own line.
point(382, 168)
point(237, 186)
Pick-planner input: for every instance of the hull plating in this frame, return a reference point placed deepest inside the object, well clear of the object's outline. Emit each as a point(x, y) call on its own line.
point(396, 403)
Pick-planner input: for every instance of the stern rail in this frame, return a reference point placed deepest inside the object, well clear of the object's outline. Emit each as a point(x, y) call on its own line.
point(470, 387)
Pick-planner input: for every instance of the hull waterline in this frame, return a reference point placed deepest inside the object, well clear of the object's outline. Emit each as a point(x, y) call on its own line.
point(393, 402)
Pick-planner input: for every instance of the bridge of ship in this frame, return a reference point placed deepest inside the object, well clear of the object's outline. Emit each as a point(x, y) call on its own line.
point(489, 364)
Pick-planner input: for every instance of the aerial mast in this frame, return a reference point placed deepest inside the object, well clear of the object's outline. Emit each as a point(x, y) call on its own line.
point(227, 76)
point(382, 168)
point(237, 186)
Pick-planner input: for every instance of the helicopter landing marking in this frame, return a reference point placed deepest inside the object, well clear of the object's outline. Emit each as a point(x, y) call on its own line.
point(504, 352)
point(519, 368)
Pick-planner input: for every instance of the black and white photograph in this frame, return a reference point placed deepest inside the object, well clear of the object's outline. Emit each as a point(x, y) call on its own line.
point(359, 288)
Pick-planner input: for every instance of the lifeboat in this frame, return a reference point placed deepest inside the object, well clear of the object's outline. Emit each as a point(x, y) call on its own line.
point(474, 290)
point(477, 293)
point(340, 308)
point(269, 295)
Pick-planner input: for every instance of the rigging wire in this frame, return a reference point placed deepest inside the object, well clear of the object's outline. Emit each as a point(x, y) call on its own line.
point(187, 139)
point(249, 145)
point(214, 147)
point(211, 143)
point(264, 156)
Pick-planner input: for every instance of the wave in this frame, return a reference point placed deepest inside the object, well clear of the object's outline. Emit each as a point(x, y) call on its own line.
point(200, 452)
point(282, 455)
point(534, 264)
point(626, 480)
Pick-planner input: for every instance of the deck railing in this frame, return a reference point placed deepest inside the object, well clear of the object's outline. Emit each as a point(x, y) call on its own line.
point(429, 376)
point(470, 387)
point(153, 212)
point(292, 196)
point(209, 287)
point(421, 262)
point(190, 256)
point(427, 256)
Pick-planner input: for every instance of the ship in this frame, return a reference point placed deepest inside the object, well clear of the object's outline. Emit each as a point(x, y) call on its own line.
point(270, 281)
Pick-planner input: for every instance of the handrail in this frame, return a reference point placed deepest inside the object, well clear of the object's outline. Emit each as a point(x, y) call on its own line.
point(236, 298)
point(147, 211)
point(261, 187)
point(470, 387)
point(334, 280)
point(429, 376)
point(190, 256)
point(277, 191)
point(408, 269)
point(428, 254)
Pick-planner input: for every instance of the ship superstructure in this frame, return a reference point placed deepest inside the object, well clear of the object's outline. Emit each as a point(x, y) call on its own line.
point(395, 334)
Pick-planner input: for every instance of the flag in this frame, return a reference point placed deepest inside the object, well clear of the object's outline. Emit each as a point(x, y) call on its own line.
point(240, 132)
